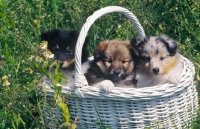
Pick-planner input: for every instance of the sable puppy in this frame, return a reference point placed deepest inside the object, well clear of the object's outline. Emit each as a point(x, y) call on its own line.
point(62, 44)
point(159, 62)
point(113, 62)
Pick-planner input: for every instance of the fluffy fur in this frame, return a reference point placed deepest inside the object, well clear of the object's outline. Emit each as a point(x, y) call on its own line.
point(62, 44)
point(113, 62)
point(159, 62)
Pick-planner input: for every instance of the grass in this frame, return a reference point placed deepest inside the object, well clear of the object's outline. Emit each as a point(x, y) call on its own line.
point(22, 21)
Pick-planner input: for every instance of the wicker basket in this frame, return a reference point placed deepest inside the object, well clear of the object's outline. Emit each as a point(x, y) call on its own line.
point(164, 106)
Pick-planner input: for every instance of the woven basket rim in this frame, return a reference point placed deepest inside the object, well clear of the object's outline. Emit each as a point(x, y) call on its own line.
point(145, 93)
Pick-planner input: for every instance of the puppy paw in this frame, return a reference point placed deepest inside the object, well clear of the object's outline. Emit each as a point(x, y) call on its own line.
point(174, 80)
point(106, 85)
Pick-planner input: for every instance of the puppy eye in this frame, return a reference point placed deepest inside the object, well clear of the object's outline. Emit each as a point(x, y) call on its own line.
point(55, 49)
point(109, 61)
point(146, 59)
point(70, 52)
point(125, 61)
point(162, 58)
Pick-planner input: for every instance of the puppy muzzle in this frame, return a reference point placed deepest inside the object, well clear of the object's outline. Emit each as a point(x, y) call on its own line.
point(156, 70)
point(117, 72)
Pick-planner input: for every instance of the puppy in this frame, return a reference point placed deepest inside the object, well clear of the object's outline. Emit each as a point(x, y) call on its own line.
point(62, 44)
point(113, 62)
point(159, 62)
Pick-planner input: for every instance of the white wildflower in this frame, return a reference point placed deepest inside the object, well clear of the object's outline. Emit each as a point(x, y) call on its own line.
point(31, 57)
point(6, 83)
point(4, 77)
point(30, 70)
point(58, 84)
point(43, 45)
point(39, 59)
point(48, 54)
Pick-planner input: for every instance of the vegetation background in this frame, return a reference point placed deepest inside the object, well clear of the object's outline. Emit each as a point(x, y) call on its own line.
point(22, 21)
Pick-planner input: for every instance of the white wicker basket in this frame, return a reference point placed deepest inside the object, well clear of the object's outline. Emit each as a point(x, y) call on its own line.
point(166, 106)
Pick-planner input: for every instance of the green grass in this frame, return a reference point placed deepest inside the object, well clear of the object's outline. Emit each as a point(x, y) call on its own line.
point(22, 21)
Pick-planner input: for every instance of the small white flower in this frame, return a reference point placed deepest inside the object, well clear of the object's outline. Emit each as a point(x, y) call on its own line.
point(30, 70)
point(43, 45)
point(39, 59)
point(48, 55)
point(4, 77)
point(58, 84)
point(6, 83)
point(31, 57)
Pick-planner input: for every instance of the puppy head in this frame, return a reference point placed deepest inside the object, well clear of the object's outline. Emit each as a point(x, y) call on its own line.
point(62, 44)
point(157, 54)
point(115, 59)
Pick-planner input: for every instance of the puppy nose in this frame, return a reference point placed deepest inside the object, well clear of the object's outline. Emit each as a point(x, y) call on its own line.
point(62, 57)
point(116, 72)
point(156, 70)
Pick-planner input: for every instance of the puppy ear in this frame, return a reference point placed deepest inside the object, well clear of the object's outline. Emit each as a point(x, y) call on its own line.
point(170, 44)
point(131, 47)
point(49, 35)
point(74, 34)
point(99, 49)
point(139, 43)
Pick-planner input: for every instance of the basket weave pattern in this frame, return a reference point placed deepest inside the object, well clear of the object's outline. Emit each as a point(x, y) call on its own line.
point(165, 106)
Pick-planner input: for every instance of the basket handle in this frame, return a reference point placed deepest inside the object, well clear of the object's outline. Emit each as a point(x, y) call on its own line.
point(79, 77)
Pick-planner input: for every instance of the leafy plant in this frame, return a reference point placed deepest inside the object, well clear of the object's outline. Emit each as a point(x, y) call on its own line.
point(22, 21)
point(99, 122)
point(44, 63)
